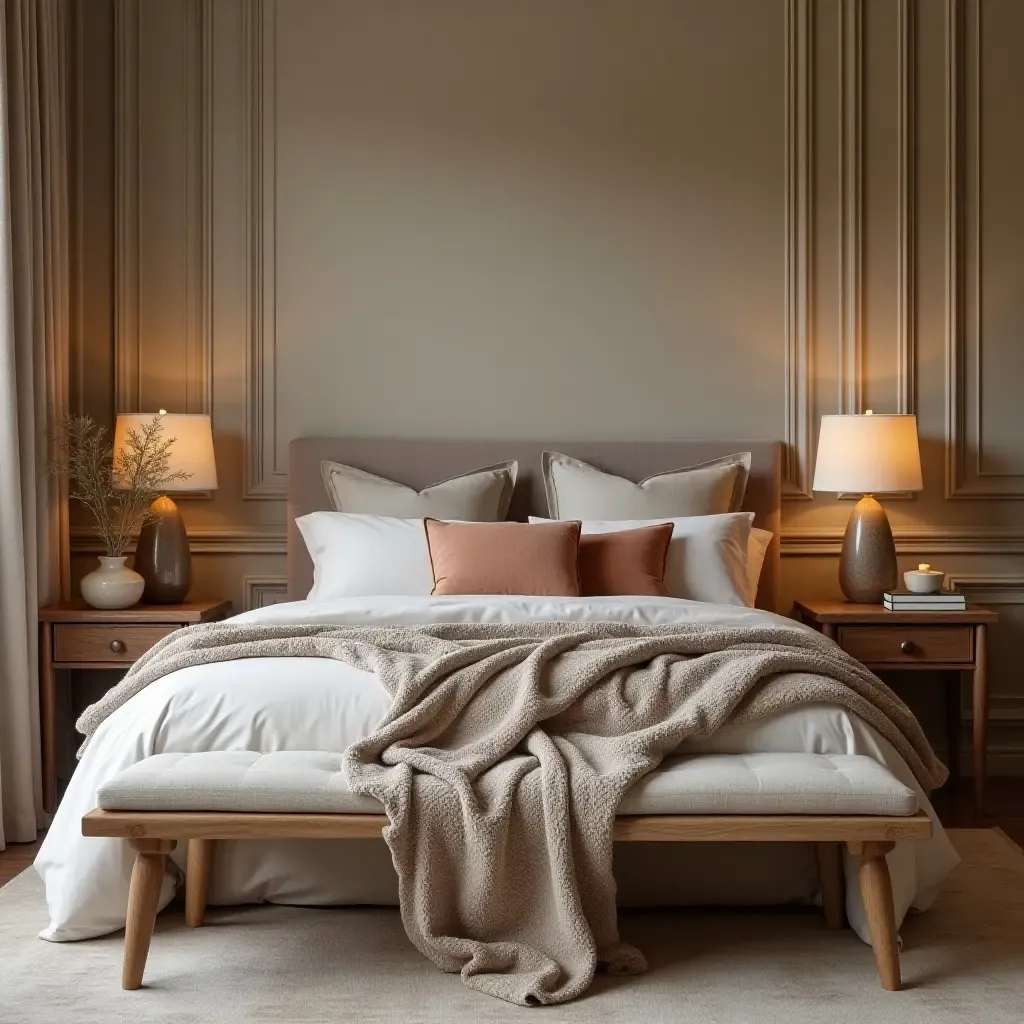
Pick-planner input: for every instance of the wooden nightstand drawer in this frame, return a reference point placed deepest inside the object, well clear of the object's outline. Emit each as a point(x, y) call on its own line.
point(902, 645)
point(110, 643)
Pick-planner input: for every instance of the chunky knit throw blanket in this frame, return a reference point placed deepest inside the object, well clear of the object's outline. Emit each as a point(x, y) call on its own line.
point(507, 749)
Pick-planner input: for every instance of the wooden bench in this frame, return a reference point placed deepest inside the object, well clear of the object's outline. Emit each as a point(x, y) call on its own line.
point(154, 830)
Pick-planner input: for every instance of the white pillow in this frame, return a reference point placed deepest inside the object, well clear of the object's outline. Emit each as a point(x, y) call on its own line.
point(363, 556)
point(577, 490)
point(757, 548)
point(707, 556)
point(482, 495)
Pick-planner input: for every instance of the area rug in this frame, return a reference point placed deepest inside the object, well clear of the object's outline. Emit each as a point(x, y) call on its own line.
point(962, 961)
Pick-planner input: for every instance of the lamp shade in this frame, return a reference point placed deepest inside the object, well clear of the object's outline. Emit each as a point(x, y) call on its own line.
point(192, 451)
point(868, 454)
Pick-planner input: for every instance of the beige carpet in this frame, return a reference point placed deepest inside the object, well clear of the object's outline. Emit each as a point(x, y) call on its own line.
point(963, 961)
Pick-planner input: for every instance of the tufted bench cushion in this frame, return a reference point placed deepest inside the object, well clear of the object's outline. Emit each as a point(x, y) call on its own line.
point(311, 781)
point(770, 784)
point(304, 781)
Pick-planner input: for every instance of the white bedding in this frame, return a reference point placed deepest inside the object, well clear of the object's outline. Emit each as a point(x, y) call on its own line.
point(272, 704)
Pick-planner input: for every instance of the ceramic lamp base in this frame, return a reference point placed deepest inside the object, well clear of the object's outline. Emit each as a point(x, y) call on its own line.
point(867, 565)
point(162, 556)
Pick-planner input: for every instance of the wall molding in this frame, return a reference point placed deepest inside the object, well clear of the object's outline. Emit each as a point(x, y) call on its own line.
point(127, 112)
point(76, 137)
point(197, 131)
point(261, 591)
point(199, 301)
point(86, 541)
point(1005, 720)
point(906, 202)
point(997, 589)
point(799, 250)
point(828, 541)
point(851, 213)
point(953, 265)
point(263, 478)
point(795, 542)
point(965, 477)
point(1006, 710)
point(851, 206)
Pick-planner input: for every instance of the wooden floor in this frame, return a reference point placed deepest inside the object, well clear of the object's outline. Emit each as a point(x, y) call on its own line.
point(15, 859)
point(1005, 811)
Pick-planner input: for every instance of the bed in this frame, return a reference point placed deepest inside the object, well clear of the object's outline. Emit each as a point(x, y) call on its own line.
point(309, 704)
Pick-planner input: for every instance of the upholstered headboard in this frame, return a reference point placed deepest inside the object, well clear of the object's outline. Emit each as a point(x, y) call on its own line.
point(420, 463)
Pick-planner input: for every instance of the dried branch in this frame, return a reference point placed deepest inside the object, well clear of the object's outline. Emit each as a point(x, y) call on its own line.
point(117, 488)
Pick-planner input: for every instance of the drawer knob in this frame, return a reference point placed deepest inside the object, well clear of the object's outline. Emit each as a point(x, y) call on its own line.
point(907, 647)
point(117, 646)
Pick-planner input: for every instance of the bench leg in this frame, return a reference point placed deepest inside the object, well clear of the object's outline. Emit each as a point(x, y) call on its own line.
point(143, 897)
point(876, 892)
point(197, 879)
point(830, 882)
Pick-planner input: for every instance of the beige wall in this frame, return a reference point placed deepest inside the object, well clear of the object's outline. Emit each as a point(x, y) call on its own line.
point(624, 218)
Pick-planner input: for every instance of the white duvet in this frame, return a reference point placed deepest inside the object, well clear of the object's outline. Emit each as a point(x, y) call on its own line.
point(272, 704)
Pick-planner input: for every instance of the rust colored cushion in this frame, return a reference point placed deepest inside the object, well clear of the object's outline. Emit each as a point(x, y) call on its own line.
point(628, 562)
point(504, 558)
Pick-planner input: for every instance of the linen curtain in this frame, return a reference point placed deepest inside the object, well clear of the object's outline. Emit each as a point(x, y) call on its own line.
point(34, 299)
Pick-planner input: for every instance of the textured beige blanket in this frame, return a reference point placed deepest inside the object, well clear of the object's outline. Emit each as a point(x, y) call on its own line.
point(507, 749)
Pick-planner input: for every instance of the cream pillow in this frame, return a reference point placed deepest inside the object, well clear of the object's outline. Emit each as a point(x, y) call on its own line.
point(707, 556)
point(576, 490)
point(481, 496)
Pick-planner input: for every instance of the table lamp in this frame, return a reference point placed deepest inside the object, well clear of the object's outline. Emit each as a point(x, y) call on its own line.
point(868, 455)
point(162, 556)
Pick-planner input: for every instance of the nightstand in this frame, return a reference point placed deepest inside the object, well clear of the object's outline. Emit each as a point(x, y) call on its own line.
point(73, 635)
point(955, 643)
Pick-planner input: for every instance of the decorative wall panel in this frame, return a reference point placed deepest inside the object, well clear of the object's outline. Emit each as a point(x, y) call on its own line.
point(698, 220)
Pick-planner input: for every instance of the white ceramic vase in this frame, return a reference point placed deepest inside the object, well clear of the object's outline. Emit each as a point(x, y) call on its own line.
point(112, 585)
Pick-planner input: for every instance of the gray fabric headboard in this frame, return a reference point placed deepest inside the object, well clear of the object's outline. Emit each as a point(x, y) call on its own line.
point(420, 463)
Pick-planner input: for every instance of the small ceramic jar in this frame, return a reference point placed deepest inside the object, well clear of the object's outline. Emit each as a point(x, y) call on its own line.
point(924, 579)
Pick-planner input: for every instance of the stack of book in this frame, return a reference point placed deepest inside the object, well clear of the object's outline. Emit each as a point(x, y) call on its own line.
point(906, 601)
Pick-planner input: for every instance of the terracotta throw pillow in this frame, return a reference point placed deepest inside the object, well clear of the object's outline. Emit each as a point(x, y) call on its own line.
point(504, 558)
point(628, 562)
